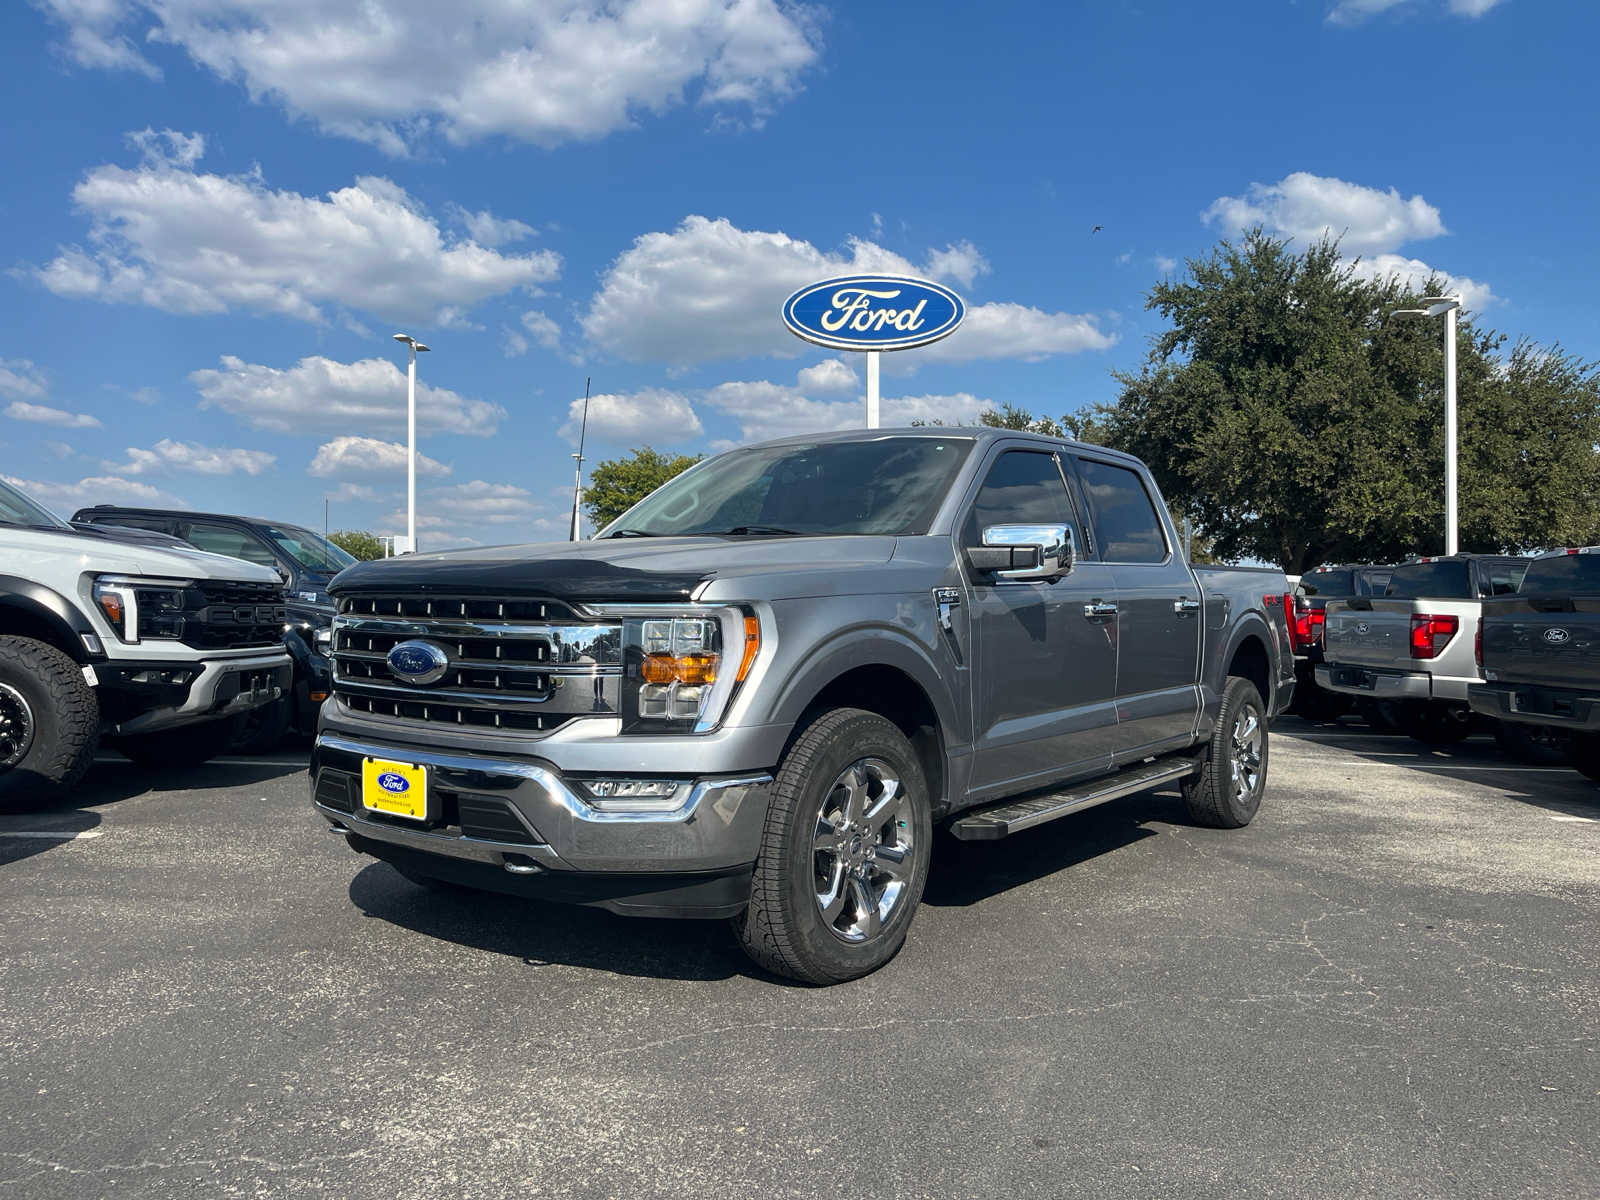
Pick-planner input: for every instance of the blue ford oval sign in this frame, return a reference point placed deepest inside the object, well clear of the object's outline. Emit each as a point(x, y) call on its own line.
point(873, 312)
point(391, 782)
point(418, 662)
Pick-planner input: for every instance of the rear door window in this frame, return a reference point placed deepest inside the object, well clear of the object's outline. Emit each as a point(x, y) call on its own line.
point(230, 540)
point(1502, 577)
point(1126, 527)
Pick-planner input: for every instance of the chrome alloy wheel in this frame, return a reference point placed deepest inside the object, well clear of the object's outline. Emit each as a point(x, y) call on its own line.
point(1248, 742)
point(16, 726)
point(864, 849)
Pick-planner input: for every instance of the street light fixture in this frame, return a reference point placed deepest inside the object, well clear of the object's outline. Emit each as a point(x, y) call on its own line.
point(411, 442)
point(1445, 306)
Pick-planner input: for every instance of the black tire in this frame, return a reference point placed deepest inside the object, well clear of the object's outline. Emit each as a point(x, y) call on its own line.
point(785, 928)
point(49, 723)
point(1215, 795)
point(1586, 754)
point(1381, 716)
point(1437, 722)
point(1536, 745)
point(263, 727)
point(184, 746)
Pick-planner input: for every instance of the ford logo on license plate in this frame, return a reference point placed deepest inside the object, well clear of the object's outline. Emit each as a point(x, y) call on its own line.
point(389, 781)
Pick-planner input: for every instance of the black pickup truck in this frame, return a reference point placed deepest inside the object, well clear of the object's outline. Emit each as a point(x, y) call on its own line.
point(1540, 653)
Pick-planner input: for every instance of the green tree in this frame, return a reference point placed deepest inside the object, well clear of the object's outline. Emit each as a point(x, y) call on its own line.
point(617, 484)
point(358, 543)
point(1295, 424)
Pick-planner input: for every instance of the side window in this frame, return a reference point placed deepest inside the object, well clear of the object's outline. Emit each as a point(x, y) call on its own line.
point(224, 539)
point(1126, 527)
point(157, 524)
point(1505, 577)
point(1023, 487)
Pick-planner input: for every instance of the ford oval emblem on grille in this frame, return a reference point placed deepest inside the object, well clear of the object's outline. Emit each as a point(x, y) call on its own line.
point(1557, 636)
point(420, 663)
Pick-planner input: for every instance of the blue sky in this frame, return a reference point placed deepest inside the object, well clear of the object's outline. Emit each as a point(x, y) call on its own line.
point(216, 213)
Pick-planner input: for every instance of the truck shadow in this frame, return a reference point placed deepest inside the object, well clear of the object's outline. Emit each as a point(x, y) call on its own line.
point(543, 934)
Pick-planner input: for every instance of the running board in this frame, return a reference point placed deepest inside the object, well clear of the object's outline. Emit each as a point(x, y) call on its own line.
point(1014, 815)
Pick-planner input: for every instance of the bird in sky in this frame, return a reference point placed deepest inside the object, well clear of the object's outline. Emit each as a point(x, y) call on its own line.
point(1097, 229)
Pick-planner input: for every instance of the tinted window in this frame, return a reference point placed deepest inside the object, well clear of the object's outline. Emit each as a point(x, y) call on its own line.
point(133, 521)
point(1374, 581)
point(225, 539)
point(885, 485)
point(1329, 583)
point(310, 550)
point(1450, 579)
point(1024, 487)
point(1501, 578)
point(1563, 573)
point(1125, 523)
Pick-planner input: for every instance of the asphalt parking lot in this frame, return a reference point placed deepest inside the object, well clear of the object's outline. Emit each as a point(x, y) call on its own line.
point(1389, 985)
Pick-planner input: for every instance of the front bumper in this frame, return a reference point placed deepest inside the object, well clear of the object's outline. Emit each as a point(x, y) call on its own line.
point(1526, 704)
point(1377, 683)
point(522, 818)
point(224, 686)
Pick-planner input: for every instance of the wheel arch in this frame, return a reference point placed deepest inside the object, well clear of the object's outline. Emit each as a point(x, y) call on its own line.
point(31, 610)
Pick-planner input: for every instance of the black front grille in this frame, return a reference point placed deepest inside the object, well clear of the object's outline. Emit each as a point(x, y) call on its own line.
point(236, 615)
point(491, 819)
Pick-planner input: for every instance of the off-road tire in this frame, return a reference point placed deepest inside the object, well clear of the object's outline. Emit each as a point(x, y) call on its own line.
point(1211, 794)
point(184, 746)
point(783, 929)
point(64, 716)
point(1536, 745)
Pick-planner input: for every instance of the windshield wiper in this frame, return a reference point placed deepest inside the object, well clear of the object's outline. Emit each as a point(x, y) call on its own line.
point(745, 530)
point(631, 533)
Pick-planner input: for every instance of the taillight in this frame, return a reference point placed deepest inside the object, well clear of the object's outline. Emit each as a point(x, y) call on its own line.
point(1430, 634)
point(1319, 625)
point(1477, 643)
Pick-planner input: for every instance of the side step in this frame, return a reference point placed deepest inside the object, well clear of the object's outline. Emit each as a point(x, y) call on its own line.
point(1023, 812)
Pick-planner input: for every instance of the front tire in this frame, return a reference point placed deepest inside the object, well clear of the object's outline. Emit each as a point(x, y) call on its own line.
point(185, 746)
point(49, 722)
point(1227, 791)
point(844, 856)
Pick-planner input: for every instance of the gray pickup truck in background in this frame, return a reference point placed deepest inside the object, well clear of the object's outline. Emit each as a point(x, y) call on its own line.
point(1540, 654)
point(1411, 649)
point(754, 694)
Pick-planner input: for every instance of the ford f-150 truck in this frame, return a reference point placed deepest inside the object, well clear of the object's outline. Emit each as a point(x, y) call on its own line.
point(154, 647)
point(754, 694)
point(1412, 647)
point(1540, 654)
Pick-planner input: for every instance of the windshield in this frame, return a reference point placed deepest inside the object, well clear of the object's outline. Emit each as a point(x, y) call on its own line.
point(887, 485)
point(311, 550)
point(17, 509)
point(1563, 573)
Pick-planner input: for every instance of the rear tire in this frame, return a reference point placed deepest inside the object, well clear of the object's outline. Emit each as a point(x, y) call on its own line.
point(1437, 722)
point(185, 746)
point(1226, 794)
point(1536, 745)
point(49, 723)
point(844, 856)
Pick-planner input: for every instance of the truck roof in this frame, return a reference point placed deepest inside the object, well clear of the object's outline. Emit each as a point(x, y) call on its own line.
point(982, 434)
point(105, 509)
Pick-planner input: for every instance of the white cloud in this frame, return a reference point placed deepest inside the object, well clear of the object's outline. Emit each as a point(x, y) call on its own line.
point(651, 415)
point(960, 262)
point(489, 230)
point(1164, 264)
point(1370, 223)
point(167, 236)
point(544, 330)
point(469, 514)
point(346, 456)
point(319, 395)
point(829, 375)
point(710, 290)
point(1353, 12)
point(169, 455)
point(1306, 207)
point(43, 414)
point(66, 498)
point(21, 380)
point(766, 410)
point(512, 343)
point(545, 72)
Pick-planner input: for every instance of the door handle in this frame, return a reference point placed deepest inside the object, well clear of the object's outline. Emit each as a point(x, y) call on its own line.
point(1184, 606)
point(1099, 610)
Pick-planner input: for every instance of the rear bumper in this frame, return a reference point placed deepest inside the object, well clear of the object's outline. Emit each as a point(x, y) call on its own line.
point(1378, 683)
point(522, 823)
point(1530, 704)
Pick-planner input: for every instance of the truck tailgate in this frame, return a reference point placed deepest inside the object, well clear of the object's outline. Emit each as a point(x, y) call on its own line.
point(1375, 637)
point(1547, 640)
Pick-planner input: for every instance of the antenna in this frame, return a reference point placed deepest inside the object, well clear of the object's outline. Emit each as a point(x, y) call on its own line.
point(577, 475)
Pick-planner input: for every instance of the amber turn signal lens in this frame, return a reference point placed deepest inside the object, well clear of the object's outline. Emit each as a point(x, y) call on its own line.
point(697, 668)
point(659, 668)
point(752, 646)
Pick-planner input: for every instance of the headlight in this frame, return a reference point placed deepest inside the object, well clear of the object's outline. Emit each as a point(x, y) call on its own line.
point(679, 672)
point(139, 608)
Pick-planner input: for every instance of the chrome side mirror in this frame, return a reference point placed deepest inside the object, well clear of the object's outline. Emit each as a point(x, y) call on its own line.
point(1057, 552)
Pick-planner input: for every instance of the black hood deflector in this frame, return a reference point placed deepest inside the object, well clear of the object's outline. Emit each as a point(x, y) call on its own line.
point(570, 579)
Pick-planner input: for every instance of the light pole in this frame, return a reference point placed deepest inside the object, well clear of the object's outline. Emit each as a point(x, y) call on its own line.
point(577, 475)
point(1446, 305)
point(411, 440)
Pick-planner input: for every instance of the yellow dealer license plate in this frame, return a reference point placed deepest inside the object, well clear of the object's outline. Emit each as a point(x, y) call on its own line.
point(399, 789)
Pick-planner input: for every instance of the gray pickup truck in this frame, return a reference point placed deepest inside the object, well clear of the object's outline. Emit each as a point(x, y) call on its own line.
point(1411, 649)
point(755, 694)
point(1540, 654)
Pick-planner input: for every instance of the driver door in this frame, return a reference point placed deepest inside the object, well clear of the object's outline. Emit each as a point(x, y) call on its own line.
point(1044, 651)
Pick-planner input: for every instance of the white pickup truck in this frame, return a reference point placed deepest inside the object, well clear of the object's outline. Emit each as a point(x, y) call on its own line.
point(154, 647)
point(1411, 650)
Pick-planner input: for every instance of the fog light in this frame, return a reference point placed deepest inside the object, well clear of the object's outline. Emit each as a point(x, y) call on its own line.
point(634, 795)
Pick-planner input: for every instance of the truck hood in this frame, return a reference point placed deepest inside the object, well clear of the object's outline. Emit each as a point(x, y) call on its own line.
point(105, 553)
point(612, 568)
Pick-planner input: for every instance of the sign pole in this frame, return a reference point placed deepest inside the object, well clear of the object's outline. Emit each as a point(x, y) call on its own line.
point(872, 388)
